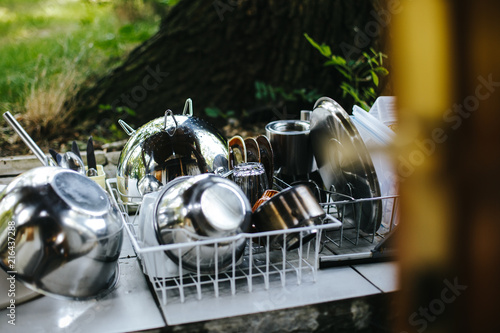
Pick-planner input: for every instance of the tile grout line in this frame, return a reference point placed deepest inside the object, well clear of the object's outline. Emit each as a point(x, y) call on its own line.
point(373, 284)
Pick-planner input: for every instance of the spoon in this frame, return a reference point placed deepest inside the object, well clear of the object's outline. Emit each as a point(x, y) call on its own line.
point(71, 161)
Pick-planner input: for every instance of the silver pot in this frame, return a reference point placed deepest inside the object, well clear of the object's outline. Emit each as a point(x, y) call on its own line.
point(166, 148)
point(60, 233)
point(203, 207)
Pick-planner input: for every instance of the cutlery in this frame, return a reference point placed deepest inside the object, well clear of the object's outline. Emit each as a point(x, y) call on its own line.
point(69, 160)
point(75, 149)
point(26, 138)
point(91, 163)
point(56, 156)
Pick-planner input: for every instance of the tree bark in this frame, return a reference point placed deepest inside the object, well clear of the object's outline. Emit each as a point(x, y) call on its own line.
point(215, 51)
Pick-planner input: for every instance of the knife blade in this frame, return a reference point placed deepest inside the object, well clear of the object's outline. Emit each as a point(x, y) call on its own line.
point(75, 149)
point(56, 156)
point(91, 163)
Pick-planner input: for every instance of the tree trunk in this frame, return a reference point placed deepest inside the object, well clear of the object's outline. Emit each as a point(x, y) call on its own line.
point(215, 51)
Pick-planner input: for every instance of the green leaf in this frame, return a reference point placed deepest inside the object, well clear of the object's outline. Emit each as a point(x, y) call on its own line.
point(343, 72)
point(365, 106)
point(339, 60)
point(375, 78)
point(212, 112)
point(259, 93)
point(126, 110)
point(323, 49)
point(381, 70)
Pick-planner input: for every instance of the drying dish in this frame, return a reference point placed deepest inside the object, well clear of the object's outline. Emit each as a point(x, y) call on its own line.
point(253, 152)
point(237, 151)
point(344, 163)
point(266, 157)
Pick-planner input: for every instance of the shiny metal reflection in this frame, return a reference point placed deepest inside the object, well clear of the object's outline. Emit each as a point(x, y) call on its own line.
point(291, 146)
point(293, 207)
point(65, 234)
point(166, 148)
point(252, 179)
point(202, 207)
point(344, 163)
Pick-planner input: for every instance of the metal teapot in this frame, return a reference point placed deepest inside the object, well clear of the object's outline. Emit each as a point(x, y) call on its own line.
point(166, 148)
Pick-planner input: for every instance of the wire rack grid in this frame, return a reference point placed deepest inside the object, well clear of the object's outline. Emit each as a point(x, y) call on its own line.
point(261, 265)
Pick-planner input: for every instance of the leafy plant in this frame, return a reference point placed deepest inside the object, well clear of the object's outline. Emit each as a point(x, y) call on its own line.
point(265, 91)
point(215, 112)
point(119, 109)
point(362, 75)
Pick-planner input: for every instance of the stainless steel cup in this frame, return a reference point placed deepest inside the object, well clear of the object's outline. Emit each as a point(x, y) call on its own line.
point(291, 146)
point(252, 179)
point(293, 207)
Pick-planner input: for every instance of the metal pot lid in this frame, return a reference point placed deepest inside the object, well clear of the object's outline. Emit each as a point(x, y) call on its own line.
point(344, 163)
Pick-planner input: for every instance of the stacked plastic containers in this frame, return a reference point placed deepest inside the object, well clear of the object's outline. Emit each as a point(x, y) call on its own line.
point(375, 130)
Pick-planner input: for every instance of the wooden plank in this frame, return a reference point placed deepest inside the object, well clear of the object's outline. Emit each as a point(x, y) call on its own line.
point(14, 165)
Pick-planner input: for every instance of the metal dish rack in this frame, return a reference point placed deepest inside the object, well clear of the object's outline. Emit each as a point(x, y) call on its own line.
point(260, 265)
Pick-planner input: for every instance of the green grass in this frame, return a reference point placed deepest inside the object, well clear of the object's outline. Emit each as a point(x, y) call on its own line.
point(44, 40)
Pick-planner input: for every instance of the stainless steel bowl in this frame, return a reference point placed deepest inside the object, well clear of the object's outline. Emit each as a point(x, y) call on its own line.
point(60, 233)
point(166, 148)
point(202, 207)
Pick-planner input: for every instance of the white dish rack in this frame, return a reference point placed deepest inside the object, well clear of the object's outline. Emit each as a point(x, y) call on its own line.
point(258, 268)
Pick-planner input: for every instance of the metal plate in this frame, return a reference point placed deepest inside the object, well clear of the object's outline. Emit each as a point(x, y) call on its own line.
point(344, 163)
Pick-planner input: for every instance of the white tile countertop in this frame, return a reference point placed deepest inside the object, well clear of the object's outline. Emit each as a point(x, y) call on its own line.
point(132, 306)
point(129, 307)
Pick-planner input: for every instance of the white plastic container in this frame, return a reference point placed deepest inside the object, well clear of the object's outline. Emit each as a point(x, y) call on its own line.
point(378, 138)
point(384, 109)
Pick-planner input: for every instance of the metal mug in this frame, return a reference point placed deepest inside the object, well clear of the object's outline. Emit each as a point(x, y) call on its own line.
point(293, 155)
point(293, 207)
point(252, 179)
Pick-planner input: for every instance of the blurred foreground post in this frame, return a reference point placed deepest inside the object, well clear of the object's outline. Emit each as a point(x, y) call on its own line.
point(446, 61)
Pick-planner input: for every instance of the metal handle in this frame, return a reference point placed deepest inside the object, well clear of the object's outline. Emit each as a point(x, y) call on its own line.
point(188, 108)
point(170, 132)
point(26, 138)
point(126, 127)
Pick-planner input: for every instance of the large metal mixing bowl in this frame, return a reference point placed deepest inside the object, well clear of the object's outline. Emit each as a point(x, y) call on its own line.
point(60, 233)
point(203, 207)
point(166, 148)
